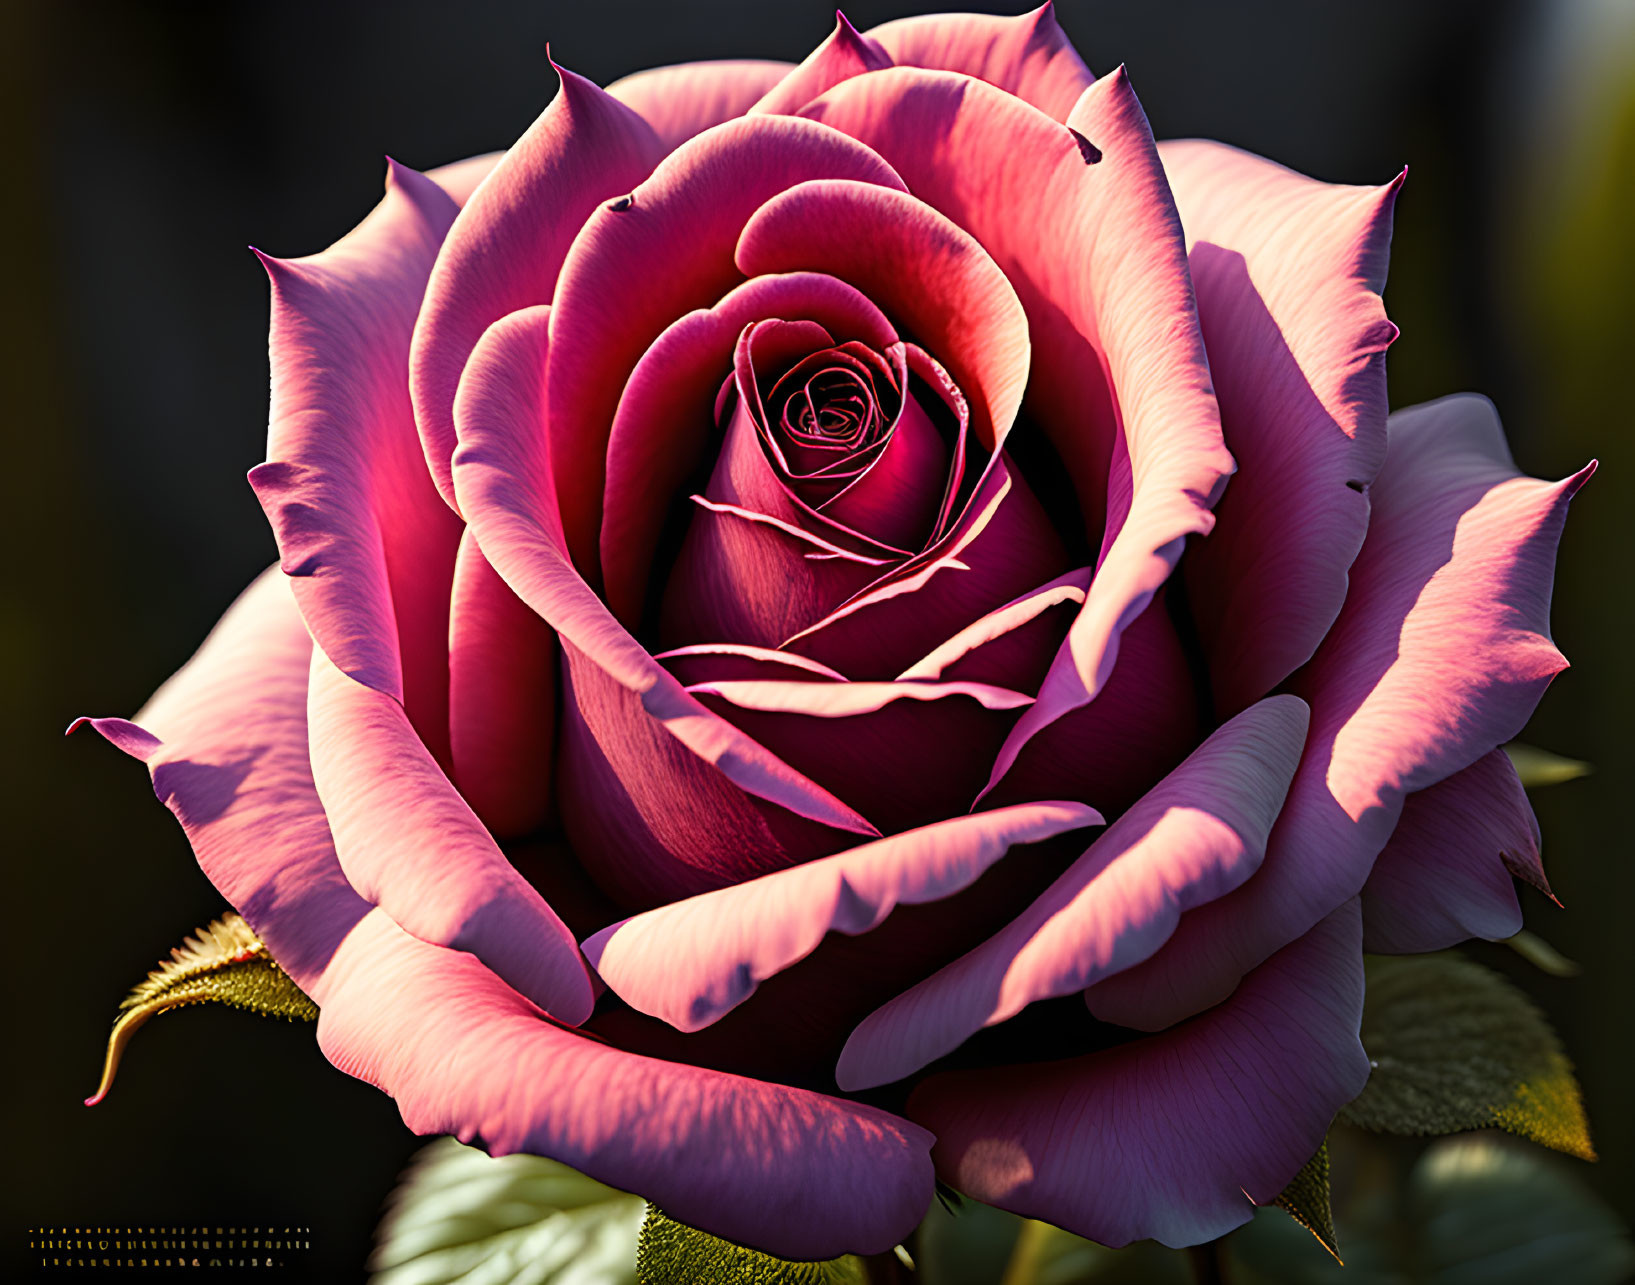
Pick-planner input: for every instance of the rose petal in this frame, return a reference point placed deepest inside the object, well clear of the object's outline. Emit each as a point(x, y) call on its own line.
point(1445, 875)
point(1176, 1136)
point(692, 961)
point(502, 698)
point(508, 489)
point(794, 1173)
point(842, 55)
point(505, 250)
point(359, 526)
point(1096, 256)
point(639, 263)
point(1028, 55)
point(460, 178)
point(686, 99)
point(1288, 273)
point(663, 423)
point(1439, 656)
point(226, 741)
point(1198, 834)
point(409, 844)
point(1014, 642)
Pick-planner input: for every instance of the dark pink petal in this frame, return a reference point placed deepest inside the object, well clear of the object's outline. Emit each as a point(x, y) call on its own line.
point(506, 248)
point(933, 280)
point(1002, 543)
point(1110, 752)
point(1439, 656)
point(1288, 273)
point(460, 178)
point(226, 741)
point(508, 490)
point(502, 698)
point(1200, 833)
point(1175, 1136)
point(688, 98)
point(641, 261)
point(1120, 378)
point(359, 526)
point(1445, 875)
point(410, 844)
point(707, 662)
point(692, 961)
point(791, 1172)
point(844, 54)
point(752, 568)
point(664, 422)
point(1013, 643)
point(1028, 55)
point(902, 753)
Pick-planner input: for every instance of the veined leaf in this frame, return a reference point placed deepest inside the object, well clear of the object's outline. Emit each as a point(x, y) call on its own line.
point(223, 963)
point(1538, 767)
point(1456, 1047)
point(459, 1214)
point(1306, 1199)
point(671, 1253)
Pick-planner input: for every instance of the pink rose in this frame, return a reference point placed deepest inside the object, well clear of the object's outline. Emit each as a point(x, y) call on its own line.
point(788, 568)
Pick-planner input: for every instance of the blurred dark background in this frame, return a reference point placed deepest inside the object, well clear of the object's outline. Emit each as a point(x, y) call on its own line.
point(147, 143)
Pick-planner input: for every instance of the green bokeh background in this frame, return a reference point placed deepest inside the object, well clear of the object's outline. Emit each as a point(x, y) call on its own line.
point(148, 141)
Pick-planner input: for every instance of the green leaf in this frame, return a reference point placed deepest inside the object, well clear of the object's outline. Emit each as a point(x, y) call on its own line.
point(1306, 1200)
point(1455, 1046)
point(1476, 1210)
point(459, 1214)
point(671, 1253)
point(223, 963)
point(1543, 956)
point(1538, 767)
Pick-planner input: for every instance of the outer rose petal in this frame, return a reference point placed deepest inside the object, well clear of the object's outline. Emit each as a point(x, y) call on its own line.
point(507, 246)
point(1445, 875)
point(411, 845)
point(460, 178)
point(502, 698)
point(1096, 256)
point(639, 263)
point(688, 98)
point(693, 961)
point(1200, 833)
point(508, 490)
point(1172, 1136)
point(791, 1172)
point(1439, 656)
point(1028, 55)
point(359, 526)
point(226, 741)
point(843, 55)
point(1288, 272)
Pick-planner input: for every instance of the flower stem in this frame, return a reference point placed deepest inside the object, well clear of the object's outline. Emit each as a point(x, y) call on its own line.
point(1208, 1263)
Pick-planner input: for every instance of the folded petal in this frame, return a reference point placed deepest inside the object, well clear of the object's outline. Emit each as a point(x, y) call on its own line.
point(507, 490)
point(1200, 833)
point(664, 421)
point(1013, 643)
point(692, 961)
point(787, 1171)
point(1288, 273)
point(502, 698)
point(643, 260)
point(460, 178)
point(1445, 875)
point(1028, 55)
point(1092, 244)
point(1439, 656)
point(687, 98)
point(506, 248)
point(359, 526)
point(226, 741)
point(844, 54)
point(1175, 1136)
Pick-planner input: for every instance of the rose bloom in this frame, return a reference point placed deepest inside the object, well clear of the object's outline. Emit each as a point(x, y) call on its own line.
point(858, 623)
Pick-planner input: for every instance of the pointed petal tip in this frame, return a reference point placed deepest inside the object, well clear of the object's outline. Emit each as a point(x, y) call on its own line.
point(78, 723)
